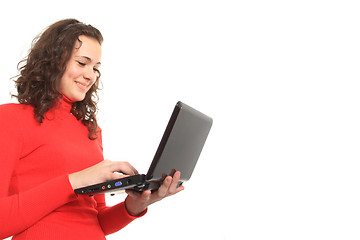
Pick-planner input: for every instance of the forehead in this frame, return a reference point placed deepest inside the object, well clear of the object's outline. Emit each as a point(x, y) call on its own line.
point(88, 47)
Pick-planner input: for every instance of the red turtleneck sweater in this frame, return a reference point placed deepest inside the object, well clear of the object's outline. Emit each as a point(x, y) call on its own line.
point(36, 198)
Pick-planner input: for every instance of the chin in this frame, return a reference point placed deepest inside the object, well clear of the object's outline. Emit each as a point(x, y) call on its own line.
point(76, 97)
point(79, 99)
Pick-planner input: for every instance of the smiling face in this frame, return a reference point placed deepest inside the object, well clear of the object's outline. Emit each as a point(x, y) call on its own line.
point(82, 69)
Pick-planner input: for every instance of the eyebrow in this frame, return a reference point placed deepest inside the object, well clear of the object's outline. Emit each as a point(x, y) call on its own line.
point(89, 59)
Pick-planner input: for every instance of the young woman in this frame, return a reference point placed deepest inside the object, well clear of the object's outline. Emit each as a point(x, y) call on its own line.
point(50, 144)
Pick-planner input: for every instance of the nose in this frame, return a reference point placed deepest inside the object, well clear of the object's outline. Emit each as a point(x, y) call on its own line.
point(90, 74)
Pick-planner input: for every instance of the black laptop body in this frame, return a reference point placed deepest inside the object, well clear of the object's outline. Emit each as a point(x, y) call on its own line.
point(179, 150)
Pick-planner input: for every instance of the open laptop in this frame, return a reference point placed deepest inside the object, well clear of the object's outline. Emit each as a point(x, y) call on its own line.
point(179, 150)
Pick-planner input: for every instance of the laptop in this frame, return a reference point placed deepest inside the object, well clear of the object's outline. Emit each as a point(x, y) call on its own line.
point(179, 150)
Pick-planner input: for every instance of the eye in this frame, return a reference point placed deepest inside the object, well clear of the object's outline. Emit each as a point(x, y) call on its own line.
point(81, 63)
point(97, 71)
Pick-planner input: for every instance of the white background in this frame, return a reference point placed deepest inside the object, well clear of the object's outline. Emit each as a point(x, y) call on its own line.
point(280, 79)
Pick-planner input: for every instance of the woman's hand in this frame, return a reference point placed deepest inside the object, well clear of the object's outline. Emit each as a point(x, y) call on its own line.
point(104, 171)
point(136, 203)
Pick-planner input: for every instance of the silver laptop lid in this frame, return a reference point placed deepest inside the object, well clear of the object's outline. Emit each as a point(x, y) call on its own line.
point(181, 144)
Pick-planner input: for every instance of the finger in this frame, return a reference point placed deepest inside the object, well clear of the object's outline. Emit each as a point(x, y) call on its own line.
point(179, 189)
point(124, 167)
point(116, 175)
point(163, 189)
point(174, 183)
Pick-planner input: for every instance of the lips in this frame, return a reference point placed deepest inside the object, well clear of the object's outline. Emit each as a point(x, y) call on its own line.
point(82, 86)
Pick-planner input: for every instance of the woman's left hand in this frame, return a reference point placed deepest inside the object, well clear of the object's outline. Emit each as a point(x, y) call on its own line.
point(136, 203)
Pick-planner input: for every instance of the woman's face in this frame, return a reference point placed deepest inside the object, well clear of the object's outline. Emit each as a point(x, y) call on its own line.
point(82, 69)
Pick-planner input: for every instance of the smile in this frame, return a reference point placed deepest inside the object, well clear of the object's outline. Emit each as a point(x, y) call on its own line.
point(81, 86)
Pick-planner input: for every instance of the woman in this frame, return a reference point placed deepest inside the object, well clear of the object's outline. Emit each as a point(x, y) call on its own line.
point(51, 144)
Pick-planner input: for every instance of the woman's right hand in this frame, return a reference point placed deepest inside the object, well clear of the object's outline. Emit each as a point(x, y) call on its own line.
point(104, 171)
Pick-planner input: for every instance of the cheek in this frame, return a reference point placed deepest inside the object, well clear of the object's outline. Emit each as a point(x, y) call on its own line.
point(72, 72)
point(65, 81)
point(69, 76)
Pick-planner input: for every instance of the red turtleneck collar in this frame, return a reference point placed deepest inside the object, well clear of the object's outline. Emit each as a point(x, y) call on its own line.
point(62, 106)
point(65, 103)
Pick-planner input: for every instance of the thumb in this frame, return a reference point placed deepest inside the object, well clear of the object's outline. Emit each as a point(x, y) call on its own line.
point(116, 175)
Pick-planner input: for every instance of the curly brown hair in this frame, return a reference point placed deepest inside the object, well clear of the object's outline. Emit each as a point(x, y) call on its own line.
point(42, 69)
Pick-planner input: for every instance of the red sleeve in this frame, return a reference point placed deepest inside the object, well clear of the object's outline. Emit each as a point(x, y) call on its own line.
point(20, 211)
point(114, 218)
